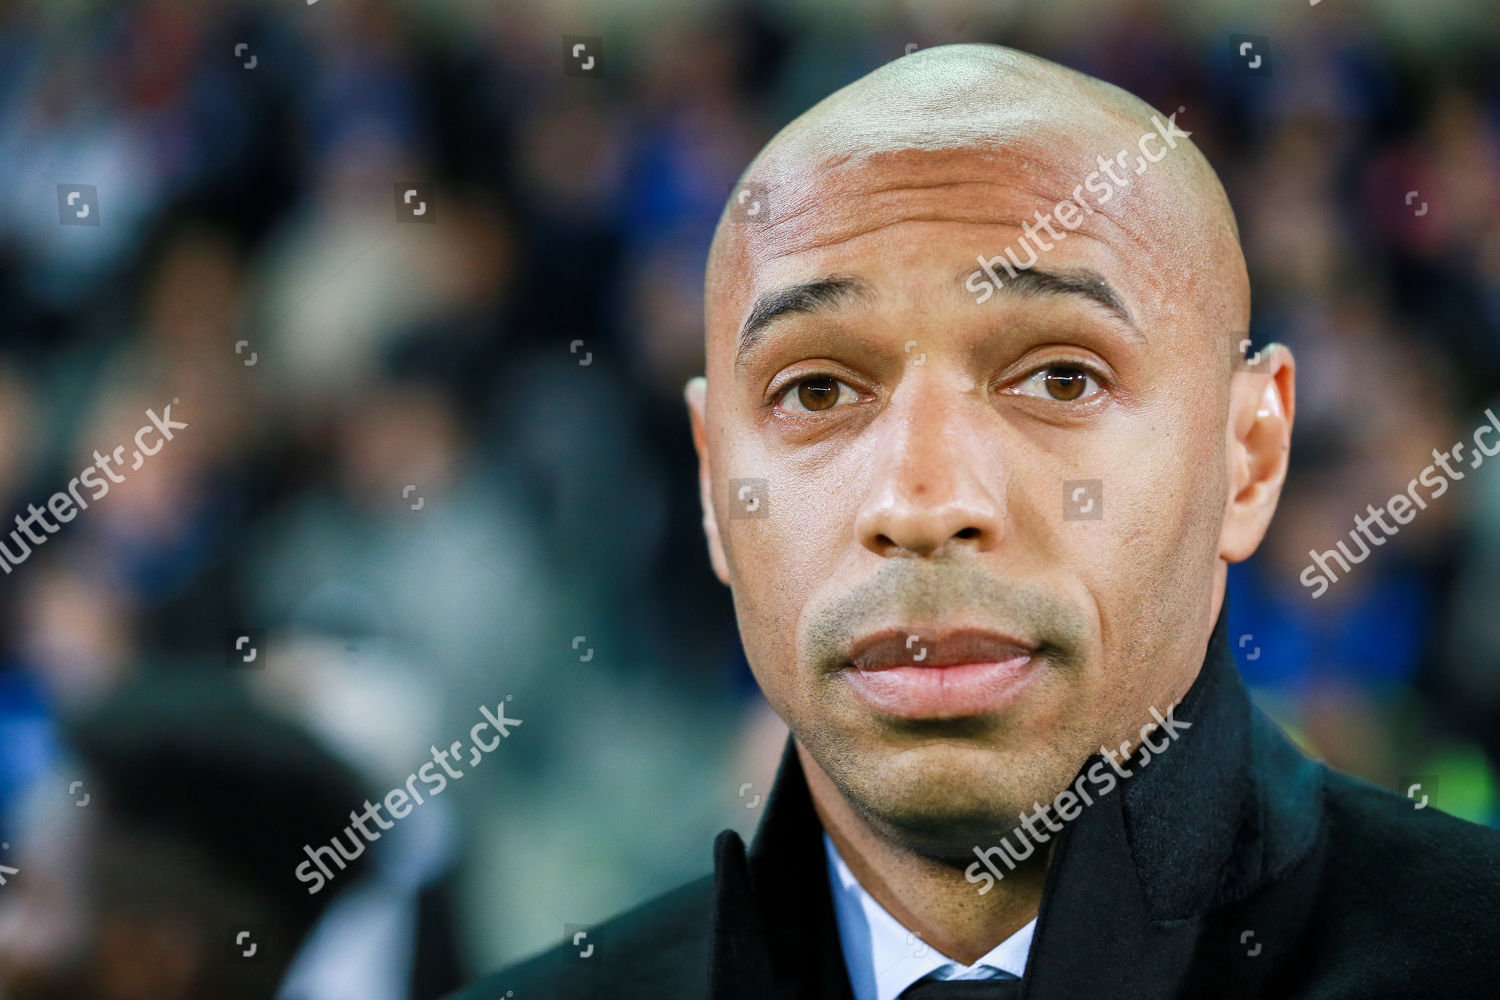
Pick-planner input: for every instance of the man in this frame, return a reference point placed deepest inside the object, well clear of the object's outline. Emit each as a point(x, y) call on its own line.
point(978, 441)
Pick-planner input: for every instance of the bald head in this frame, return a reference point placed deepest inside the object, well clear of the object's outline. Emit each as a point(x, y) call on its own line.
point(1011, 117)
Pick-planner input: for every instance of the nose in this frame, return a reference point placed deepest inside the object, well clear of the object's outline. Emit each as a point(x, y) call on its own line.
point(937, 485)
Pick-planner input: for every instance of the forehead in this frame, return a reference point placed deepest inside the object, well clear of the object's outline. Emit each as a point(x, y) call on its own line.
point(912, 220)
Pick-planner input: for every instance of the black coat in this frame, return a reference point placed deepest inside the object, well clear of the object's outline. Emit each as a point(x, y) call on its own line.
point(1231, 866)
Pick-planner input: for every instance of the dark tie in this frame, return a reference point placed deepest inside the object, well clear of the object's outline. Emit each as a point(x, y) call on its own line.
point(1005, 988)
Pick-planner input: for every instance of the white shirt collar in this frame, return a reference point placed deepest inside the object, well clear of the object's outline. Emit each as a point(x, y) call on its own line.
point(884, 957)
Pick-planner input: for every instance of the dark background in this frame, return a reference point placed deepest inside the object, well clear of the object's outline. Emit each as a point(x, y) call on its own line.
point(444, 450)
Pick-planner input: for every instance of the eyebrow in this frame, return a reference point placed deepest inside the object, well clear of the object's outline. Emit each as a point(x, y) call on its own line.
point(837, 290)
point(1082, 281)
point(806, 297)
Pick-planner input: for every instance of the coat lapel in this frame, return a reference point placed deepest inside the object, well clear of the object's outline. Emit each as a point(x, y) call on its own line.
point(775, 933)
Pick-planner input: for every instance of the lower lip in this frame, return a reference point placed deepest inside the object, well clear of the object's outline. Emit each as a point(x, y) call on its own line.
point(952, 692)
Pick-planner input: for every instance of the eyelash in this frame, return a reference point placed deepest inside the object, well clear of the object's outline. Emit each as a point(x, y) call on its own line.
point(1101, 381)
point(1090, 371)
point(786, 389)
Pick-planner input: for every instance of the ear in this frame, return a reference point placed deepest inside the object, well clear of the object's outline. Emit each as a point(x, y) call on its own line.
point(1262, 402)
point(696, 394)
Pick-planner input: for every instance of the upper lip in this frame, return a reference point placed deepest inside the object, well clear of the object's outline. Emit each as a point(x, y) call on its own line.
point(915, 646)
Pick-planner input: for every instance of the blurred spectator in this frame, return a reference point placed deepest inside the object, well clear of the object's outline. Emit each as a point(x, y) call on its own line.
point(164, 870)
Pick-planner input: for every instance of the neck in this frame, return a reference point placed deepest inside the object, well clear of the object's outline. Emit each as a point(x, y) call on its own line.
point(932, 898)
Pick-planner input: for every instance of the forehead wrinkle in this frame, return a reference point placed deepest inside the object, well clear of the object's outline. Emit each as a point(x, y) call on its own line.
point(815, 196)
point(775, 252)
point(787, 251)
point(809, 204)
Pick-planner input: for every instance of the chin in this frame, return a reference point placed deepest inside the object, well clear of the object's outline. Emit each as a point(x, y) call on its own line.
point(941, 799)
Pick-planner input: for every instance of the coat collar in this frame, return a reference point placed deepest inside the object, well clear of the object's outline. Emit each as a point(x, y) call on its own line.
point(775, 932)
point(1223, 808)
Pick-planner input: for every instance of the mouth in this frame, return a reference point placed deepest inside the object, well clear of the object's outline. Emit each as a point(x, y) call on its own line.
point(917, 673)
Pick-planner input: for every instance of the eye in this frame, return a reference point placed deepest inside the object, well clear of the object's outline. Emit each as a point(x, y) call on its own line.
point(1063, 383)
point(814, 394)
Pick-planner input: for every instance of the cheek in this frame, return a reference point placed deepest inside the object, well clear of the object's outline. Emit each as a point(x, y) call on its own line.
point(781, 560)
point(1150, 567)
point(1167, 485)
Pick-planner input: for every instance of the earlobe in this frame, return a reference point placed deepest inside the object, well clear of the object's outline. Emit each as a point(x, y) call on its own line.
point(1261, 408)
point(695, 393)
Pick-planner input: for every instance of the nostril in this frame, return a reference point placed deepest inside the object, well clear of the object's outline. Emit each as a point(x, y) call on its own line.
point(967, 533)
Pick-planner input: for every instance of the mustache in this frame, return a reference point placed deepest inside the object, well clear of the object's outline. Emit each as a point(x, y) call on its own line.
point(917, 593)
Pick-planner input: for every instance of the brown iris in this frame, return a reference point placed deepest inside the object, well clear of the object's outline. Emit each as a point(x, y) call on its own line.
point(818, 393)
point(1065, 384)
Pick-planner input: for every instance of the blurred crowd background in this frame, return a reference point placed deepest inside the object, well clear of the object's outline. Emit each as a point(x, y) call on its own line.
point(432, 465)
